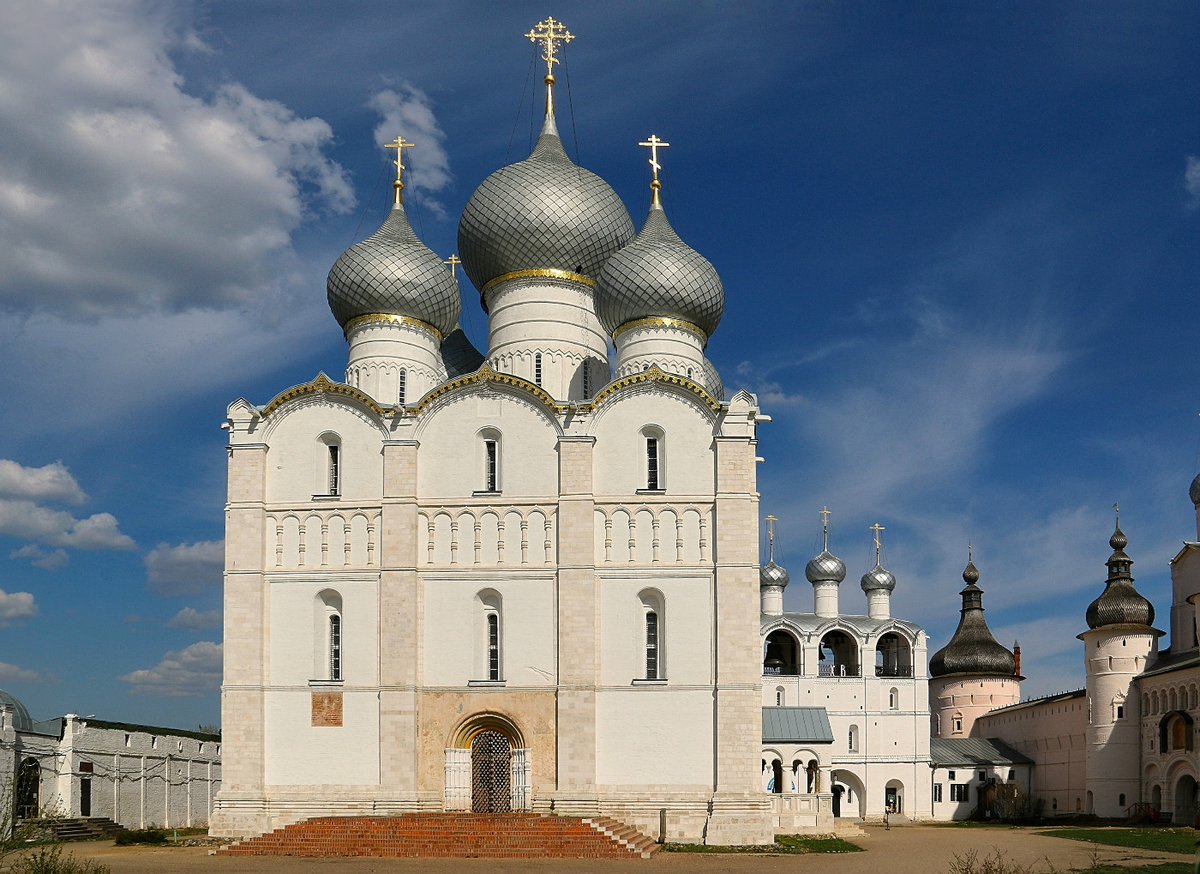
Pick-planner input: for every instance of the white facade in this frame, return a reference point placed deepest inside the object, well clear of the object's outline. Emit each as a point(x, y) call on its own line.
point(138, 776)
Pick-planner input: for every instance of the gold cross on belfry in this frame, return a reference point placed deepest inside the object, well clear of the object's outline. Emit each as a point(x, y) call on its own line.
point(550, 33)
point(877, 528)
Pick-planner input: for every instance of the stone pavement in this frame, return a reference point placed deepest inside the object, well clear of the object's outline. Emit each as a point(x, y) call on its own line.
point(913, 849)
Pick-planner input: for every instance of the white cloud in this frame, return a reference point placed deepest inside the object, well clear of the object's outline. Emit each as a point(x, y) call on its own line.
point(191, 672)
point(1191, 181)
point(123, 194)
point(30, 521)
point(407, 112)
point(196, 620)
point(17, 606)
point(186, 569)
point(50, 483)
point(12, 672)
point(38, 557)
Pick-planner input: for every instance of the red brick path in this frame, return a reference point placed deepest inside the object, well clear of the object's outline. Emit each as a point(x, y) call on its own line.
point(508, 835)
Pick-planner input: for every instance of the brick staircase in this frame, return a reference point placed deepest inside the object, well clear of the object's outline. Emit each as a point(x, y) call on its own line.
point(506, 835)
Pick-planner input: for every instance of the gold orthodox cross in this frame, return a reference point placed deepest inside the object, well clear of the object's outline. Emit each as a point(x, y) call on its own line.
point(550, 33)
point(771, 520)
point(825, 514)
point(877, 528)
point(654, 144)
point(452, 261)
point(399, 144)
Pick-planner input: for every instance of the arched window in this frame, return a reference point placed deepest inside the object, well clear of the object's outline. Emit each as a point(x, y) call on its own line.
point(330, 464)
point(402, 391)
point(654, 446)
point(893, 656)
point(489, 659)
point(852, 740)
point(893, 699)
point(779, 697)
point(653, 634)
point(489, 461)
point(838, 655)
point(329, 636)
point(537, 369)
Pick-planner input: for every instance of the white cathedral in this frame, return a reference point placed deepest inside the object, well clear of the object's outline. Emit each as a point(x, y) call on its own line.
point(528, 579)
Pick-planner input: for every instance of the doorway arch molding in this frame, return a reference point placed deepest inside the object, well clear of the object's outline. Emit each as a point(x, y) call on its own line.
point(474, 723)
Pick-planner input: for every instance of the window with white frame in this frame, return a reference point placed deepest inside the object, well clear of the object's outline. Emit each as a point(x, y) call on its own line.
point(335, 647)
point(937, 792)
point(489, 661)
point(652, 635)
point(493, 646)
point(328, 634)
point(489, 460)
point(852, 740)
point(654, 458)
point(329, 446)
point(893, 699)
point(779, 697)
point(960, 791)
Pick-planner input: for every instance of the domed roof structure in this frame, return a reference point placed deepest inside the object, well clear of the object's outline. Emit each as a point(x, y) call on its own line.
point(1194, 491)
point(659, 276)
point(543, 213)
point(393, 273)
point(1119, 603)
point(773, 575)
point(459, 355)
point(878, 577)
point(22, 721)
point(973, 649)
point(825, 568)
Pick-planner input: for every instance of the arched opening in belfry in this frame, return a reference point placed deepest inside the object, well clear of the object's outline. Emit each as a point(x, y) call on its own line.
point(893, 656)
point(782, 655)
point(838, 655)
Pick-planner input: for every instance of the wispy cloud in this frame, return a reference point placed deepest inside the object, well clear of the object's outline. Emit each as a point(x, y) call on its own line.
point(1191, 182)
point(407, 111)
point(196, 620)
point(50, 483)
point(12, 673)
point(186, 569)
point(22, 517)
point(174, 201)
point(190, 672)
point(38, 557)
point(16, 606)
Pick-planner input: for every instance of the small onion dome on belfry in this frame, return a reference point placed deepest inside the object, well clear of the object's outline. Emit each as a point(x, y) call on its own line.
point(393, 273)
point(772, 575)
point(973, 649)
point(658, 275)
point(543, 213)
point(1119, 603)
point(825, 567)
point(878, 578)
point(1194, 491)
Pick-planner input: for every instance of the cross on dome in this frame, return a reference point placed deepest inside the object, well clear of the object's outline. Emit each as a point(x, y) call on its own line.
point(654, 144)
point(453, 261)
point(550, 33)
point(825, 514)
point(878, 544)
point(771, 520)
point(399, 144)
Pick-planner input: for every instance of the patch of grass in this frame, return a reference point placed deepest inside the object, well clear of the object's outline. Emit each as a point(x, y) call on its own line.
point(1162, 868)
point(784, 844)
point(140, 836)
point(1166, 840)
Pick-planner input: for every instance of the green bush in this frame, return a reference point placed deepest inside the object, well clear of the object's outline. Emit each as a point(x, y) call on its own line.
point(48, 859)
point(140, 836)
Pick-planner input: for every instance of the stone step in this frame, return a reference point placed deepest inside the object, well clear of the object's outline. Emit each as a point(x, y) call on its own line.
point(514, 835)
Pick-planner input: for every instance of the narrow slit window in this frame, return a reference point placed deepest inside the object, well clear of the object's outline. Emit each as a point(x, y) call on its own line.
point(335, 647)
point(335, 472)
point(652, 480)
point(491, 481)
point(493, 632)
point(651, 645)
point(402, 392)
point(587, 381)
point(537, 368)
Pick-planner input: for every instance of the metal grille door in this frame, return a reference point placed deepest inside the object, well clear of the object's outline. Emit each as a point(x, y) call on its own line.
point(491, 760)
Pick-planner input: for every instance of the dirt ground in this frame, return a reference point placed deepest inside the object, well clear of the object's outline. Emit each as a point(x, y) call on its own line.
point(911, 849)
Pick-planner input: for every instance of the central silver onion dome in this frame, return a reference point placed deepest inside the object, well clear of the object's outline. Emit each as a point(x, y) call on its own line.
point(1120, 603)
point(658, 275)
point(878, 577)
point(1194, 491)
point(392, 272)
point(541, 213)
point(825, 568)
point(773, 575)
point(973, 649)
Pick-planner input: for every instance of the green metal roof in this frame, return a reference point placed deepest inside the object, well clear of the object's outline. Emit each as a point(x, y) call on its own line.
point(974, 751)
point(796, 725)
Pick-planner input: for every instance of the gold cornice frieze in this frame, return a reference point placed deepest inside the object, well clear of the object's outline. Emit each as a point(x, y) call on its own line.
point(324, 385)
point(486, 375)
point(655, 375)
point(540, 273)
point(663, 322)
point(393, 319)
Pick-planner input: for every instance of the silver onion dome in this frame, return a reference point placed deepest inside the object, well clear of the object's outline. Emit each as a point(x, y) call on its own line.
point(1120, 603)
point(393, 272)
point(773, 575)
point(22, 721)
point(1194, 491)
point(973, 649)
point(658, 275)
point(541, 213)
point(877, 578)
point(825, 568)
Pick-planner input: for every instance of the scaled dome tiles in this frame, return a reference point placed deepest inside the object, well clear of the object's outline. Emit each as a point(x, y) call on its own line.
point(972, 649)
point(541, 213)
point(393, 272)
point(659, 276)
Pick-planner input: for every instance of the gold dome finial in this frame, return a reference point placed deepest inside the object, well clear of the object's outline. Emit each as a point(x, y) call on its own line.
point(654, 144)
point(825, 514)
point(399, 144)
point(550, 33)
point(878, 543)
point(771, 520)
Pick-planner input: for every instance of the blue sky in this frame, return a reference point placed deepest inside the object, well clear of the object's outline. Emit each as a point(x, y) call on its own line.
point(958, 242)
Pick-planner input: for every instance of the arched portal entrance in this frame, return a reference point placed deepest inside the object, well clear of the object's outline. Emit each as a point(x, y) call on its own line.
point(853, 797)
point(488, 768)
point(491, 772)
point(1185, 801)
